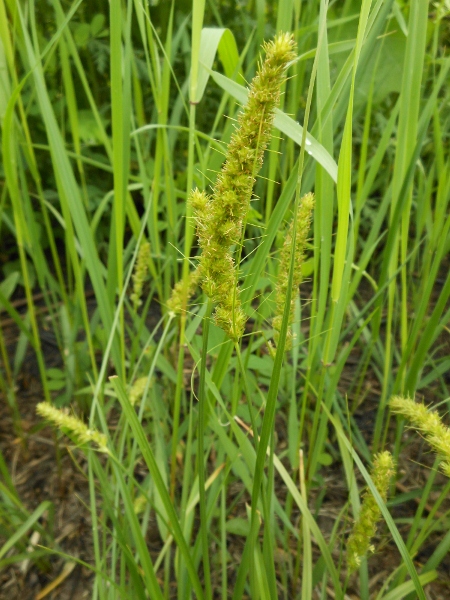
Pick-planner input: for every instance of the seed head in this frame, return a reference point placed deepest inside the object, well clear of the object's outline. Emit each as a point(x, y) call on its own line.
point(140, 273)
point(365, 527)
point(182, 292)
point(428, 423)
point(303, 217)
point(221, 218)
point(72, 425)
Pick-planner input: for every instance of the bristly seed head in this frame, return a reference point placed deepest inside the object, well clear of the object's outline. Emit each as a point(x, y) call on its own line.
point(140, 273)
point(429, 424)
point(221, 218)
point(303, 218)
point(365, 527)
point(72, 425)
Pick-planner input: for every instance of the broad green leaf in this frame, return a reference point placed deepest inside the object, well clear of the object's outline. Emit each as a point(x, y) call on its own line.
point(284, 123)
point(213, 41)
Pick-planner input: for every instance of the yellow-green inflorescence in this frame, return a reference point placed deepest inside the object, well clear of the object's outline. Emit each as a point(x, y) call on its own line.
point(429, 424)
point(221, 217)
point(304, 215)
point(137, 390)
point(72, 425)
point(175, 302)
point(140, 273)
point(365, 527)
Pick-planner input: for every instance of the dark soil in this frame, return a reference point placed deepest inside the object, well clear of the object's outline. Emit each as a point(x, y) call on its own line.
point(34, 470)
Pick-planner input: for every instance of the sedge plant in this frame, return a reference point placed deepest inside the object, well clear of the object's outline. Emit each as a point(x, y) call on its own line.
point(108, 124)
point(428, 423)
point(221, 218)
point(364, 528)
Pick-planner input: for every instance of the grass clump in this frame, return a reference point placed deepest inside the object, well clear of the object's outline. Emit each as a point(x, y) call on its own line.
point(110, 117)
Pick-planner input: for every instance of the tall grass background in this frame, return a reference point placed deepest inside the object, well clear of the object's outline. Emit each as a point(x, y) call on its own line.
point(111, 113)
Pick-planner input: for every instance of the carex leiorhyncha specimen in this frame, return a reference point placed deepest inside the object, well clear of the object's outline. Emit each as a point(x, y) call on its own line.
point(429, 423)
point(303, 222)
point(364, 528)
point(221, 217)
point(74, 426)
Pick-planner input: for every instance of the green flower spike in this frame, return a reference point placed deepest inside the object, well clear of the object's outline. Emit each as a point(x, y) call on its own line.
point(221, 217)
point(137, 390)
point(365, 527)
point(428, 423)
point(72, 425)
point(175, 302)
point(304, 215)
point(140, 272)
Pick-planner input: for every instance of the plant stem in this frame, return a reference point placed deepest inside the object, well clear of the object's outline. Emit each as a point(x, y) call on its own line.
point(202, 400)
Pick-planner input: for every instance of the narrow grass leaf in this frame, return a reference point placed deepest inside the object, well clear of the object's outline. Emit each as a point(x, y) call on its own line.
point(150, 460)
point(25, 527)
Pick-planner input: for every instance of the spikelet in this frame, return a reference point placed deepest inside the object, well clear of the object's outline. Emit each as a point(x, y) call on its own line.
point(139, 504)
point(428, 423)
point(221, 217)
point(140, 272)
point(304, 215)
point(72, 425)
point(176, 300)
point(137, 390)
point(365, 527)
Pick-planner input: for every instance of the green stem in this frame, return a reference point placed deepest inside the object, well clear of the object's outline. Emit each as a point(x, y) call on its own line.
point(247, 395)
point(202, 400)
